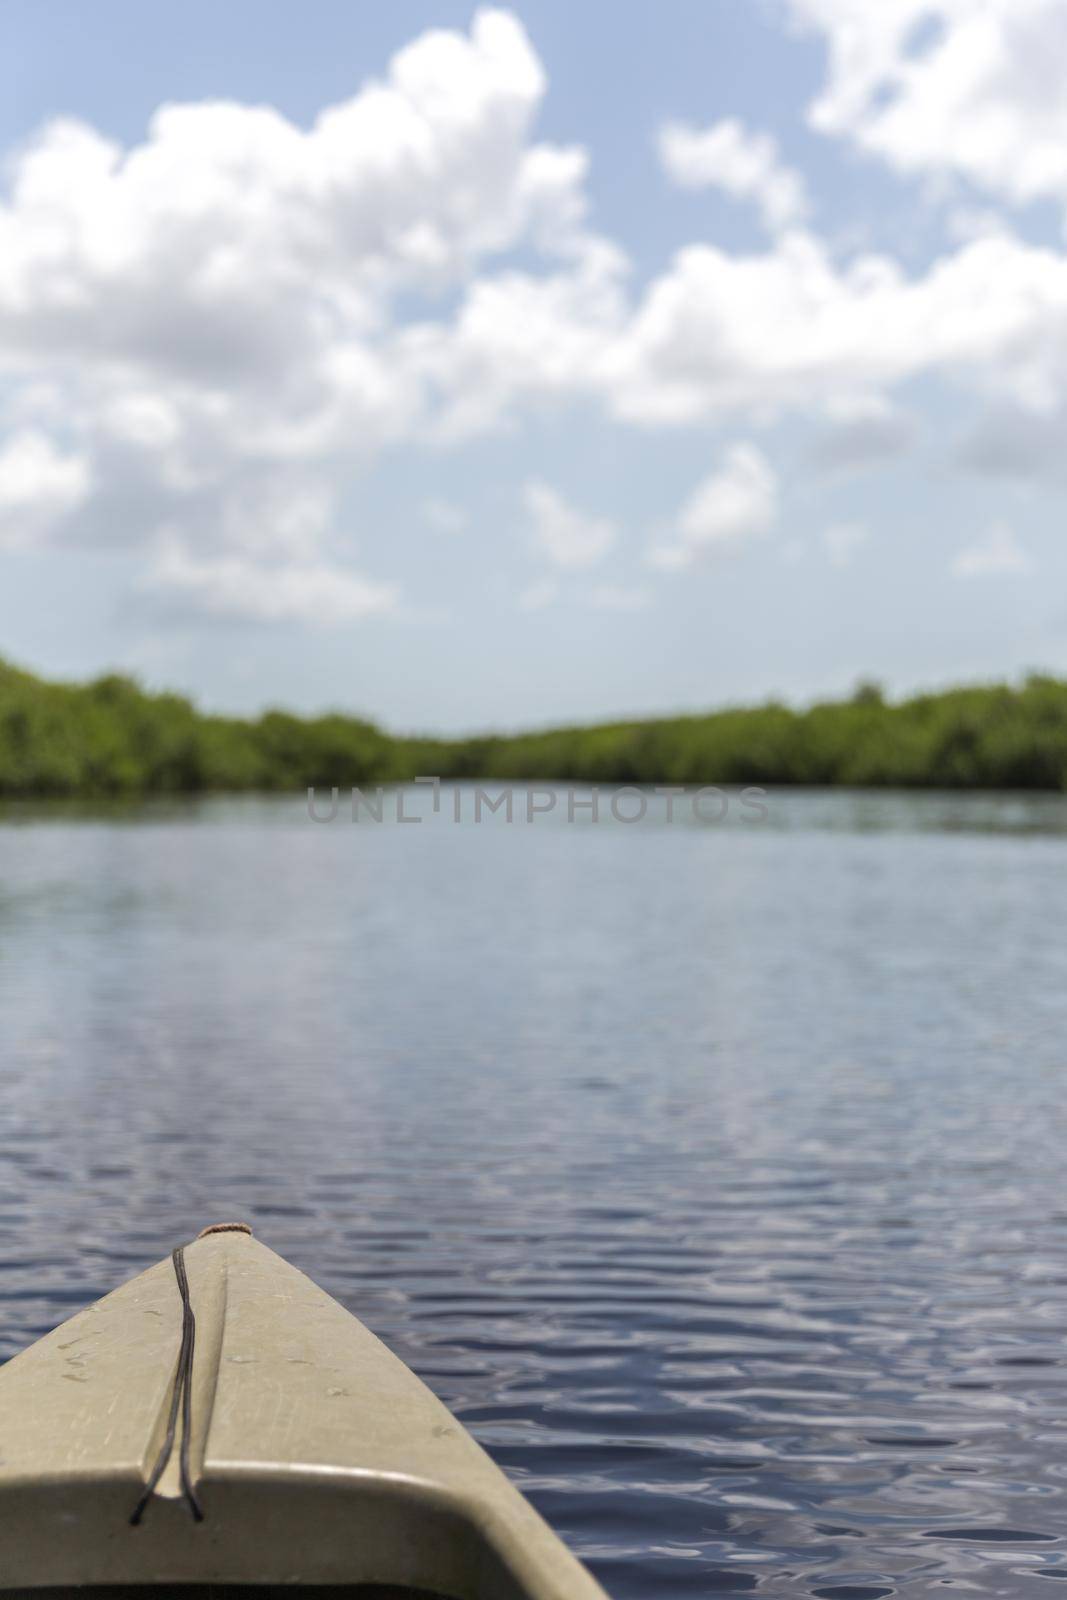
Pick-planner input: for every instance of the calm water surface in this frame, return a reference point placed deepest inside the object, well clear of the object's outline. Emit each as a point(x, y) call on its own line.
point(715, 1175)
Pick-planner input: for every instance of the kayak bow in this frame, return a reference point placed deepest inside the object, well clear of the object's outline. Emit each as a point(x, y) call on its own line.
point(248, 1430)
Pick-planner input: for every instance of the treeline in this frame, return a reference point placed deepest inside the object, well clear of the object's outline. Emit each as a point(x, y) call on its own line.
point(111, 738)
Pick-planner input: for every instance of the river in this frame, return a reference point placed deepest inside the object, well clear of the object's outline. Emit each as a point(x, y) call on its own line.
point(714, 1173)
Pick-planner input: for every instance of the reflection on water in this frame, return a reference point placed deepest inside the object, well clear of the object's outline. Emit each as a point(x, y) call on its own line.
point(714, 1175)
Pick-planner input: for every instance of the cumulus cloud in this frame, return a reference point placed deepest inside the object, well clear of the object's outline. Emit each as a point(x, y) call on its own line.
point(518, 337)
point(742, 164)
point(203, 337)
point(949, 88)
point(214, 307)
point(233, 208)
point(39, 485)
point(995, 555)
point(791, 327)
point(236, 588)
point(717, 336)
point(567, 537)
point(734, 504)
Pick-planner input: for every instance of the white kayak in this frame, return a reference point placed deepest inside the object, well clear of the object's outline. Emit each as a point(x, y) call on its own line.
point(220, 1421)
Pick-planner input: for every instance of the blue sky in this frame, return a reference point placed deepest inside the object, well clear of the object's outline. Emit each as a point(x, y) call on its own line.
point(492, 368)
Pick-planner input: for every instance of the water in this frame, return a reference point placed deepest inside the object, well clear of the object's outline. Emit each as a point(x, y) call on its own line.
point(715, 1175)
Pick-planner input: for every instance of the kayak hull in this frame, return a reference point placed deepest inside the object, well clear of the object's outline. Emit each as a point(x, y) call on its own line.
point(318, 1457)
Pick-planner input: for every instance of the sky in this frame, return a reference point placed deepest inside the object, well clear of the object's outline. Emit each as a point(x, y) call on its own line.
point(485, 368)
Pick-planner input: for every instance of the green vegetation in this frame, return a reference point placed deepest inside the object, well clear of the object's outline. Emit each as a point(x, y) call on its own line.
point(111, 738)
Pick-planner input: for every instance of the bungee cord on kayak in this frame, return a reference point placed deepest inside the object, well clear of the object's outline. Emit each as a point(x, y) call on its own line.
point(181, 1395)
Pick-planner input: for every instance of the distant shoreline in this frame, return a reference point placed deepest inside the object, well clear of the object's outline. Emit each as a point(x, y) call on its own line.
point(111, 738)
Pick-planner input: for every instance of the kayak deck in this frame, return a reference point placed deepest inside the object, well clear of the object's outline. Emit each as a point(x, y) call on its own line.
point(315, 1456)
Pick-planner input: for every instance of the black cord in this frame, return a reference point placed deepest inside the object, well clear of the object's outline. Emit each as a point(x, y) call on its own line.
point(182, 1395)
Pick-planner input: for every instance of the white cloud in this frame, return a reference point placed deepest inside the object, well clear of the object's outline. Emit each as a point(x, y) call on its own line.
point(213, 308)
point(233, 207)
point(790, 328)
point(204, 333)
point(39, 485)
point(949, 88)
point(997, 554)
point(567, 537)
point(734, 504)
point(744, 165)
point(518, 337)
point(841, 541)
point(235, 588)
